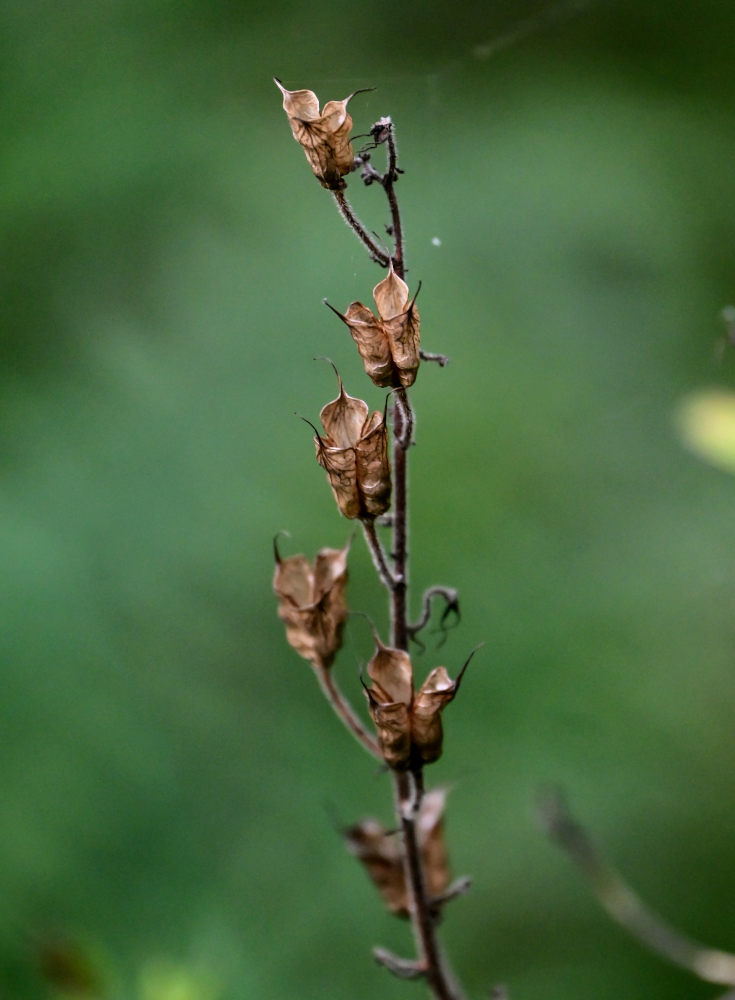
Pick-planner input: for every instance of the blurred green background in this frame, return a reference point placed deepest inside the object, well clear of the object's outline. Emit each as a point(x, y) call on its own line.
point(171, 778)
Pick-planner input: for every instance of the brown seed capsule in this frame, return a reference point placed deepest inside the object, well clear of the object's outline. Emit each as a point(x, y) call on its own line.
point(380, 852)
point(354, 453)
point(311, 602)
point(323, 135)
point(431, 840)
point(408, 724)
point(389, 342)
point(389, 702)
point(426, 724)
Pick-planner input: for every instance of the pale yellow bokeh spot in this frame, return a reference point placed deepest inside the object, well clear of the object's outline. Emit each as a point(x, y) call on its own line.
point(706, 423)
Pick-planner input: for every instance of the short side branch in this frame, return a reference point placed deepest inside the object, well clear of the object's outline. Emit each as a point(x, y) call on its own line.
point(345, 712)
point(440, 359)
point(378, 553)
point(451, 607)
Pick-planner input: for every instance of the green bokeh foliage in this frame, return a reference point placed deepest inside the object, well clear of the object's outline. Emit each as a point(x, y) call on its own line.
point(171, 776)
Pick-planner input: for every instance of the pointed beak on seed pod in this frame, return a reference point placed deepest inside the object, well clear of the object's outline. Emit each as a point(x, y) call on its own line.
point(389, 342)
point(379, 850)
point(354, 454)
point(311, 602)
point(324, 134)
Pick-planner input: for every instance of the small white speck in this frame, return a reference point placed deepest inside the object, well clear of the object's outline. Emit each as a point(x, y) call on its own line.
point(435, 241)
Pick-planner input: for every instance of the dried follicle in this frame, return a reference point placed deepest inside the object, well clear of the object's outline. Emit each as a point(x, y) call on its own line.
point(324, 134)
point(380, 852)
point(389, 702)
point(426, 721)
point(408, 724)
point(311, 602)
point(430, 828)
point(389, 342)
point(354, 454)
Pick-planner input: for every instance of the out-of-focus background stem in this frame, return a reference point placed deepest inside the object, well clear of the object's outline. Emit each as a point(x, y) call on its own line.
point(170, 771)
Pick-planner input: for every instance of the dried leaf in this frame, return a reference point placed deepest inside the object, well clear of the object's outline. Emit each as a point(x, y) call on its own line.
point(323, 135)
point(354, 453)
point(311, 602)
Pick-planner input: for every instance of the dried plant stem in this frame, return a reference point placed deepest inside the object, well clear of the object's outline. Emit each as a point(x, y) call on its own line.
point(344, 710)
point(378, 553)
point(391, 176)
point(408, 786)
point(626, 907)
point(409, 793)
point(345, 210)
point(399, 618)
point(409, 789)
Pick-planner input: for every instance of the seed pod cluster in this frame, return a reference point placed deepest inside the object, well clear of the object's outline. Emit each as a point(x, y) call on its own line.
point(408, 722)
point(389, 342)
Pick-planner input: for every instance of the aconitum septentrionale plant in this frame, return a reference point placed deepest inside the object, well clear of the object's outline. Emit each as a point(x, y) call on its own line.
point(365, 457)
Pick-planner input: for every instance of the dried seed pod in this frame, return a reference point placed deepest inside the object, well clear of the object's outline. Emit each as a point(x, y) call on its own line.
point(311, 602)
point(354, 454)
point(408, 725)
point(430, 825)
point(389, 342)
point(389, 702)
point(323, 135)
point(379, 850)
point(380, 853)
point(426, 724)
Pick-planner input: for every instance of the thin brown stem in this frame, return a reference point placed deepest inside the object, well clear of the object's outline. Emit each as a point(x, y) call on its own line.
point(408, 786)
point(399, 623)
point(345, 210)
point(626, 907)
point(378, 553)
point(391, 176)
point(345, 711)
point(423, 921)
